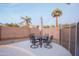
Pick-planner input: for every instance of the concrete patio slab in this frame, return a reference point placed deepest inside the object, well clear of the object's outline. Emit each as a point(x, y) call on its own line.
point(23, 49)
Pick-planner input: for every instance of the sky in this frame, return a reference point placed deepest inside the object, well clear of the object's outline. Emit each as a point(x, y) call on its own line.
point(12, 12)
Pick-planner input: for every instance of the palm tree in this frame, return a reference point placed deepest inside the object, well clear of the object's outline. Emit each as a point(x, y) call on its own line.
point(56, 13)
point(27, 20)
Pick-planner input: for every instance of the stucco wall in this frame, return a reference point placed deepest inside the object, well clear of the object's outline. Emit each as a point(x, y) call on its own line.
point(14, 32)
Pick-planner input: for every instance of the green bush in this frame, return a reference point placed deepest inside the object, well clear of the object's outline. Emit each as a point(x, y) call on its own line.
point(12, 25)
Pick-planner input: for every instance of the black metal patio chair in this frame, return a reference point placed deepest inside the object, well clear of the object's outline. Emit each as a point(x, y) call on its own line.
point(34, 41)
point(48, 42)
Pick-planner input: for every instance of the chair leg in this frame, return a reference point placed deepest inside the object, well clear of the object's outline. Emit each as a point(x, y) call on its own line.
point(47, 45)
point(40, 44)
point(34, 45)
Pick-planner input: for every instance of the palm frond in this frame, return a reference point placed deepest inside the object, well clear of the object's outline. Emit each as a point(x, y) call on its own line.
point(56, 12)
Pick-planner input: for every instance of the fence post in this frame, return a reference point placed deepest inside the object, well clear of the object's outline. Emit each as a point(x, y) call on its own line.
point(77, 40)
point(0, 32)
point(69, 36)
point(60, 33)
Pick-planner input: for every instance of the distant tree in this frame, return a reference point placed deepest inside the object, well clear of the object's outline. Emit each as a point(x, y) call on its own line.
point(52, 26)
point(73, 25)
point(46, 26)
point(37, 26)
point(66, 25)
point(11, 25)
point(27, 20)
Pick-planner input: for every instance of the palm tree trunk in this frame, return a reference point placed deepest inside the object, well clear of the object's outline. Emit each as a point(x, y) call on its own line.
point(57, 23)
